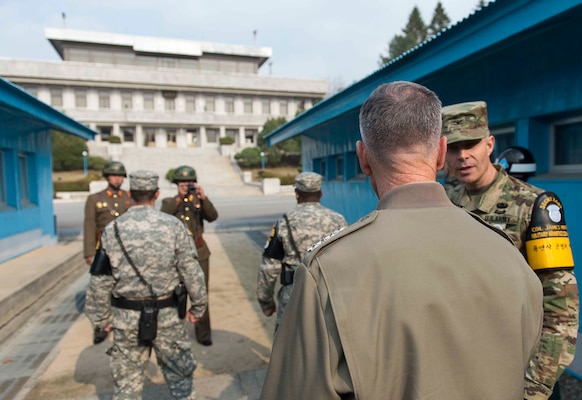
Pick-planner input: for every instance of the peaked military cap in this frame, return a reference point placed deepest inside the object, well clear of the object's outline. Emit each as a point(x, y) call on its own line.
point(308, 182)
point(465, 121)
point(143, 180)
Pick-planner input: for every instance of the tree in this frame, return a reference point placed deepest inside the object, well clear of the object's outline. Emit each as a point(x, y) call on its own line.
point(440, 20)
point(67, 151)
point(414, 33)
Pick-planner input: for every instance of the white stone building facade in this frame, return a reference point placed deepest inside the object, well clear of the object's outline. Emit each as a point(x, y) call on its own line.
point(154, 92)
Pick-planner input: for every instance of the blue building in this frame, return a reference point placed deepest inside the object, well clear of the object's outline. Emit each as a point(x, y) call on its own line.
point(523, 57)
point(26, 188)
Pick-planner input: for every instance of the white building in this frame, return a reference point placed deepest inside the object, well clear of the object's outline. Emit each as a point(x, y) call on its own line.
point(155, 92)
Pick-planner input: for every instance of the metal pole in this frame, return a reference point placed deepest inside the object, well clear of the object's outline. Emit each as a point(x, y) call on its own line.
point(262, 160)
point(84, 163)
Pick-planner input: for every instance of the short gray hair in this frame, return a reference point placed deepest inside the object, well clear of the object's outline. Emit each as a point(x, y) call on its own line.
point(399, 115)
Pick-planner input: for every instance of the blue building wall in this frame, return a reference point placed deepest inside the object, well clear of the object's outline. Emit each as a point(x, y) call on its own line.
point(26, 190)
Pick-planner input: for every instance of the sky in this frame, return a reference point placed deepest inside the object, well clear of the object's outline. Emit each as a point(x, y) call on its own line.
point(336, 40)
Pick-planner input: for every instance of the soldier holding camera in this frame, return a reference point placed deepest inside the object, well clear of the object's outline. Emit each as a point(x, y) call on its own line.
point(192, 207)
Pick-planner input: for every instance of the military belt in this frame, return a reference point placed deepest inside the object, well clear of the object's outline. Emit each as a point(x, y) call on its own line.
point(127, 304)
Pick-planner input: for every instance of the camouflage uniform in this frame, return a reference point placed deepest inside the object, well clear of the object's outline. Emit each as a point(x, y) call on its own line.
point(507, 204)
point(309, 222)
point(164, 253)
point(100, 209)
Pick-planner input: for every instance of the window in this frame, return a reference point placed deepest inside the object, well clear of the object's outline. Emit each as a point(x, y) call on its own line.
point(319, 166)
point(353, 170)
point(56, 97)
point(104, 99)
point(171, 138)
point(211, 135)
point(229, 104)
point(170, 104)
point(232, 133)
point(567, 146)
point(250, 135)
point(209, 106)
point(128, 133)
point(283, 109)
point(190, 103)
point(80, 98)
point(248, 105)
point(148, 101)
point(339, 168)
point(33, 90)
point(23, 180)
point(126, 101)
point(149, 137)
point(266, 106)
point(105, 132)
point(503, 139)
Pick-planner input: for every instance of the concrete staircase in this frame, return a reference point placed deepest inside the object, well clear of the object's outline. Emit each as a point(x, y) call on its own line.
point(216, 173)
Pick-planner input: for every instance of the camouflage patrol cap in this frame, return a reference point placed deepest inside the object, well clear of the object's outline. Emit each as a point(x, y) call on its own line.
point(143, 180)
point(308, 182)
point(465, 121)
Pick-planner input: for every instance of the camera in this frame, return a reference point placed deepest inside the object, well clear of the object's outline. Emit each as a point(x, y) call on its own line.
point(191, 189)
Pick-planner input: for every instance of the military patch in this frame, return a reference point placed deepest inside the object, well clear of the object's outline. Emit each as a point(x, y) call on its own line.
point(547, 242)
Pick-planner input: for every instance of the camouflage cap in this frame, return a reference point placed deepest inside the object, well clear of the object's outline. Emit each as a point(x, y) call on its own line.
point(465, 121)
point(308, 182)
point(143, 180)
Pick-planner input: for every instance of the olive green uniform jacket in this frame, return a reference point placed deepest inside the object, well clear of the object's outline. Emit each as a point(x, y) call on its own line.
point(417, 300)
point(187, 213)
point(100, 209)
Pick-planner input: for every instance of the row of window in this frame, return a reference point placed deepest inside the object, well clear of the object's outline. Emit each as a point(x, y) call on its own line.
point(565, 152)
point(169, 97)
point(149, 135)
point(16, 193)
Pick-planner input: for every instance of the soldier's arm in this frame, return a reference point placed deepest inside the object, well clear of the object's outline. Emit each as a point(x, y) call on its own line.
point(190, 271)
point(98, 300)
point(209, 213)
point(269, 271)
point(89, 229)
point(557, 344)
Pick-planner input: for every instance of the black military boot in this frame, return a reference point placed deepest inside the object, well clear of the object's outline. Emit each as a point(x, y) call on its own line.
point(99, 335)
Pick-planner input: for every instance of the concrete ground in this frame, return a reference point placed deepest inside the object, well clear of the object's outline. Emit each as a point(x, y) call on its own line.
point(232, 368)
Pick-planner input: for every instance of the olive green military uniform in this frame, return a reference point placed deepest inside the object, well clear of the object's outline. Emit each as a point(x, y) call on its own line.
point(193, 214)
point(100, 209)
point(507, 204)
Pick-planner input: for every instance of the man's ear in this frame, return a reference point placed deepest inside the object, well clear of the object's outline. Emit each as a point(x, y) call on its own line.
point(442, 153)
point(363, 158)
point(490, 144)
point(157, 194)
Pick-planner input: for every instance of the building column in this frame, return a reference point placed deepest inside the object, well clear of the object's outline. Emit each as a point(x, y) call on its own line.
point(117, 131)
point(161, 138)
point(138, 139)
point(221, 132)
point(242, 142)
point(181, 139)
point(203, 139)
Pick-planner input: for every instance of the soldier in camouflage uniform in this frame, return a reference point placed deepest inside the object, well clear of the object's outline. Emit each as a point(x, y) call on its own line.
point(100, 209)
point(290, 238)
point(163, 254)
point(535, 221)
point(193, 207)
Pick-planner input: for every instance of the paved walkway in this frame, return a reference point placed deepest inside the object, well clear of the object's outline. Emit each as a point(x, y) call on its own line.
point(68, 366)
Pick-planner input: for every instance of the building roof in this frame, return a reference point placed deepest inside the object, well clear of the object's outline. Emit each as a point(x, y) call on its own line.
point(154, 45)
point(21, 112)
point(488, 29)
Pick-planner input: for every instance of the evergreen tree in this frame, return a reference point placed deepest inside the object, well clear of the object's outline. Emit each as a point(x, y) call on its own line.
point(440, 20)
point(414, 33)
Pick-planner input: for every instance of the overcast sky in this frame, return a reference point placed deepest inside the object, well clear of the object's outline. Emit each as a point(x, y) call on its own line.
point(337, 40)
